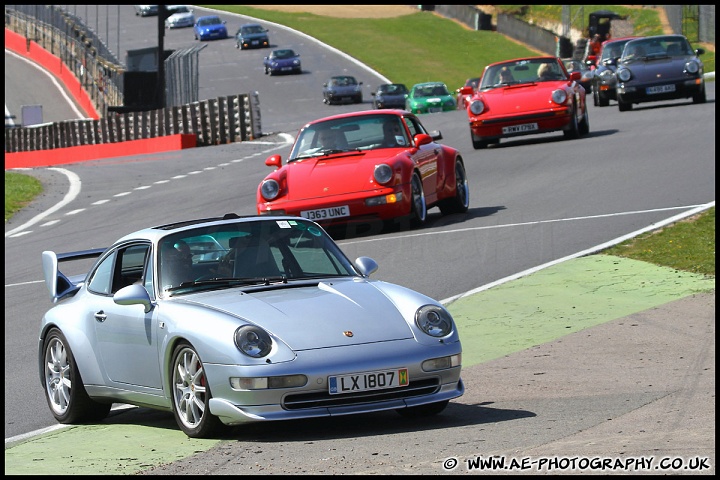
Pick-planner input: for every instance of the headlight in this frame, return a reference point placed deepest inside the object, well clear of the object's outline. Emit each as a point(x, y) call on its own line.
point(624, 74)
point(270, 189)
point(559, 96)
point(253, 341)
point(692, 66)
point(606, 74)
point(477, 107)
point(383, 173)
point(434, 320)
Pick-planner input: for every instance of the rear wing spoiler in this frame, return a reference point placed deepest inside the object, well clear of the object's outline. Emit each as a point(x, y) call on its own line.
point(59, 286)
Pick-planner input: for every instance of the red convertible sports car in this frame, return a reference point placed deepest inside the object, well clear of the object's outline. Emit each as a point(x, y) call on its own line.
point(364, 167)
point(527, 96)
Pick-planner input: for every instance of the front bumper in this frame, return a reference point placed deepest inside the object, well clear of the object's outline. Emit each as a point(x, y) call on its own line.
point(638, 93)
point(491, 128)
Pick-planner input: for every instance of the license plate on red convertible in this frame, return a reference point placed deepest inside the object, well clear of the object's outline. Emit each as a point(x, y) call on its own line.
point(526, 127)
point(367, 381)
point(326, 213)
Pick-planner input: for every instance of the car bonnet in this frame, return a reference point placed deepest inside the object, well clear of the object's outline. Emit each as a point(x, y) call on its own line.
point(336, 174)
point(520, 98)
point(659, 70)
point(320, 315)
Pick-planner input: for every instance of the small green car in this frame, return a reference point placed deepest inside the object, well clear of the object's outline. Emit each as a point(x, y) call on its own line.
point(430, 97)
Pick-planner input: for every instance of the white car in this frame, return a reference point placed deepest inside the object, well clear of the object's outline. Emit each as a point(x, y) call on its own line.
point(180, 16)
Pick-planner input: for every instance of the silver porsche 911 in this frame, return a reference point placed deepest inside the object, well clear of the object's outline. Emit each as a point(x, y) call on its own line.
point(240, 319)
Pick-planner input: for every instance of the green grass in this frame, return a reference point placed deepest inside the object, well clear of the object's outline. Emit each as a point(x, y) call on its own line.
point(20, 190)
point(687, 245)
point(424, 47)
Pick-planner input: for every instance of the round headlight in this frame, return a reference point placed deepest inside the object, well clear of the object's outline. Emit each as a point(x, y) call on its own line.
point(383, 173)
point(692, 66)
point(477, 107)
point(270, 189)
point(559, 96)
point(624, 74)
point(606, 74)
point(434, 320)
point(253, 341)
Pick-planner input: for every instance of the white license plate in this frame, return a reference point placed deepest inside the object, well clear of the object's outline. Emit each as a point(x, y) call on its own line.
point(366, 381)
point(660, 89)
point(526, 127)
point(325, 213)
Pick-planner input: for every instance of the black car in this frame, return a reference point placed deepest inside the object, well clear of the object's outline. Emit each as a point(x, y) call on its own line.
point(342, 88)
point(251, 35)
point(603, 79)
point(658, 68)
point(390, 95)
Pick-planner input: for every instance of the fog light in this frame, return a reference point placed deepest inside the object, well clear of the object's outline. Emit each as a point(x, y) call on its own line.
point(265, 383)
point(384, 200)
point(442, 363)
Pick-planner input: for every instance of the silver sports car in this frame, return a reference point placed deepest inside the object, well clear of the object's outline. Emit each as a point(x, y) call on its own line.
point(231, 320)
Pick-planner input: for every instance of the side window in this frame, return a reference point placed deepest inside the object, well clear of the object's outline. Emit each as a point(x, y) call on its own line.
point(123, 267)
point(101, 278)
point(414, 126)
point(131, 266)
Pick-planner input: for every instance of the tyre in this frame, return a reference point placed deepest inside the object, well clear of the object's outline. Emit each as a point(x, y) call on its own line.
point(585, 123)
point(64, 389)
point(701, 96)
point(423, 410)
point(573, 130)
point(624, 106)
point(461, 201)
point(477, 142)
point(191, 394)
point(418, 207)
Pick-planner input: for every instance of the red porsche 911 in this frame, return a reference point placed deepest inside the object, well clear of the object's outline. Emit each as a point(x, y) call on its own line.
point(364, 167)
point(527, 96)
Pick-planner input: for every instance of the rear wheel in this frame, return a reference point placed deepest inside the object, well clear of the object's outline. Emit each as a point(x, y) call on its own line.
point(64, 389)
point(418, 207)
point(461, 201)
point(191, 394)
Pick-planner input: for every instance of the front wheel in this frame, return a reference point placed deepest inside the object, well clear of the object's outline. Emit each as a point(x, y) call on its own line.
point(585, 123)
point(477, 142)
point(573, 130)
point(64, 389)
point(624, 106)
point(418, 207)
point(191, 394)
point(701, 96)
point(461, 201)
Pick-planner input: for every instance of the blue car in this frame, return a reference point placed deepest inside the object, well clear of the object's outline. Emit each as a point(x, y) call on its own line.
point(282, 61)
point(210, 27)
point(342, 88)
point(251, 35)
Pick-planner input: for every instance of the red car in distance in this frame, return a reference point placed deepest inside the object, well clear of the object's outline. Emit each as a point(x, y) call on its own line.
point(364, 167)
point(527, 96)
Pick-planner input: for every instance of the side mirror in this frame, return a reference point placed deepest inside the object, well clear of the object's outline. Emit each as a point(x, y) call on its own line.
point(133, 295)
point(422, 139)
point(575, 76)
point(274, 161)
